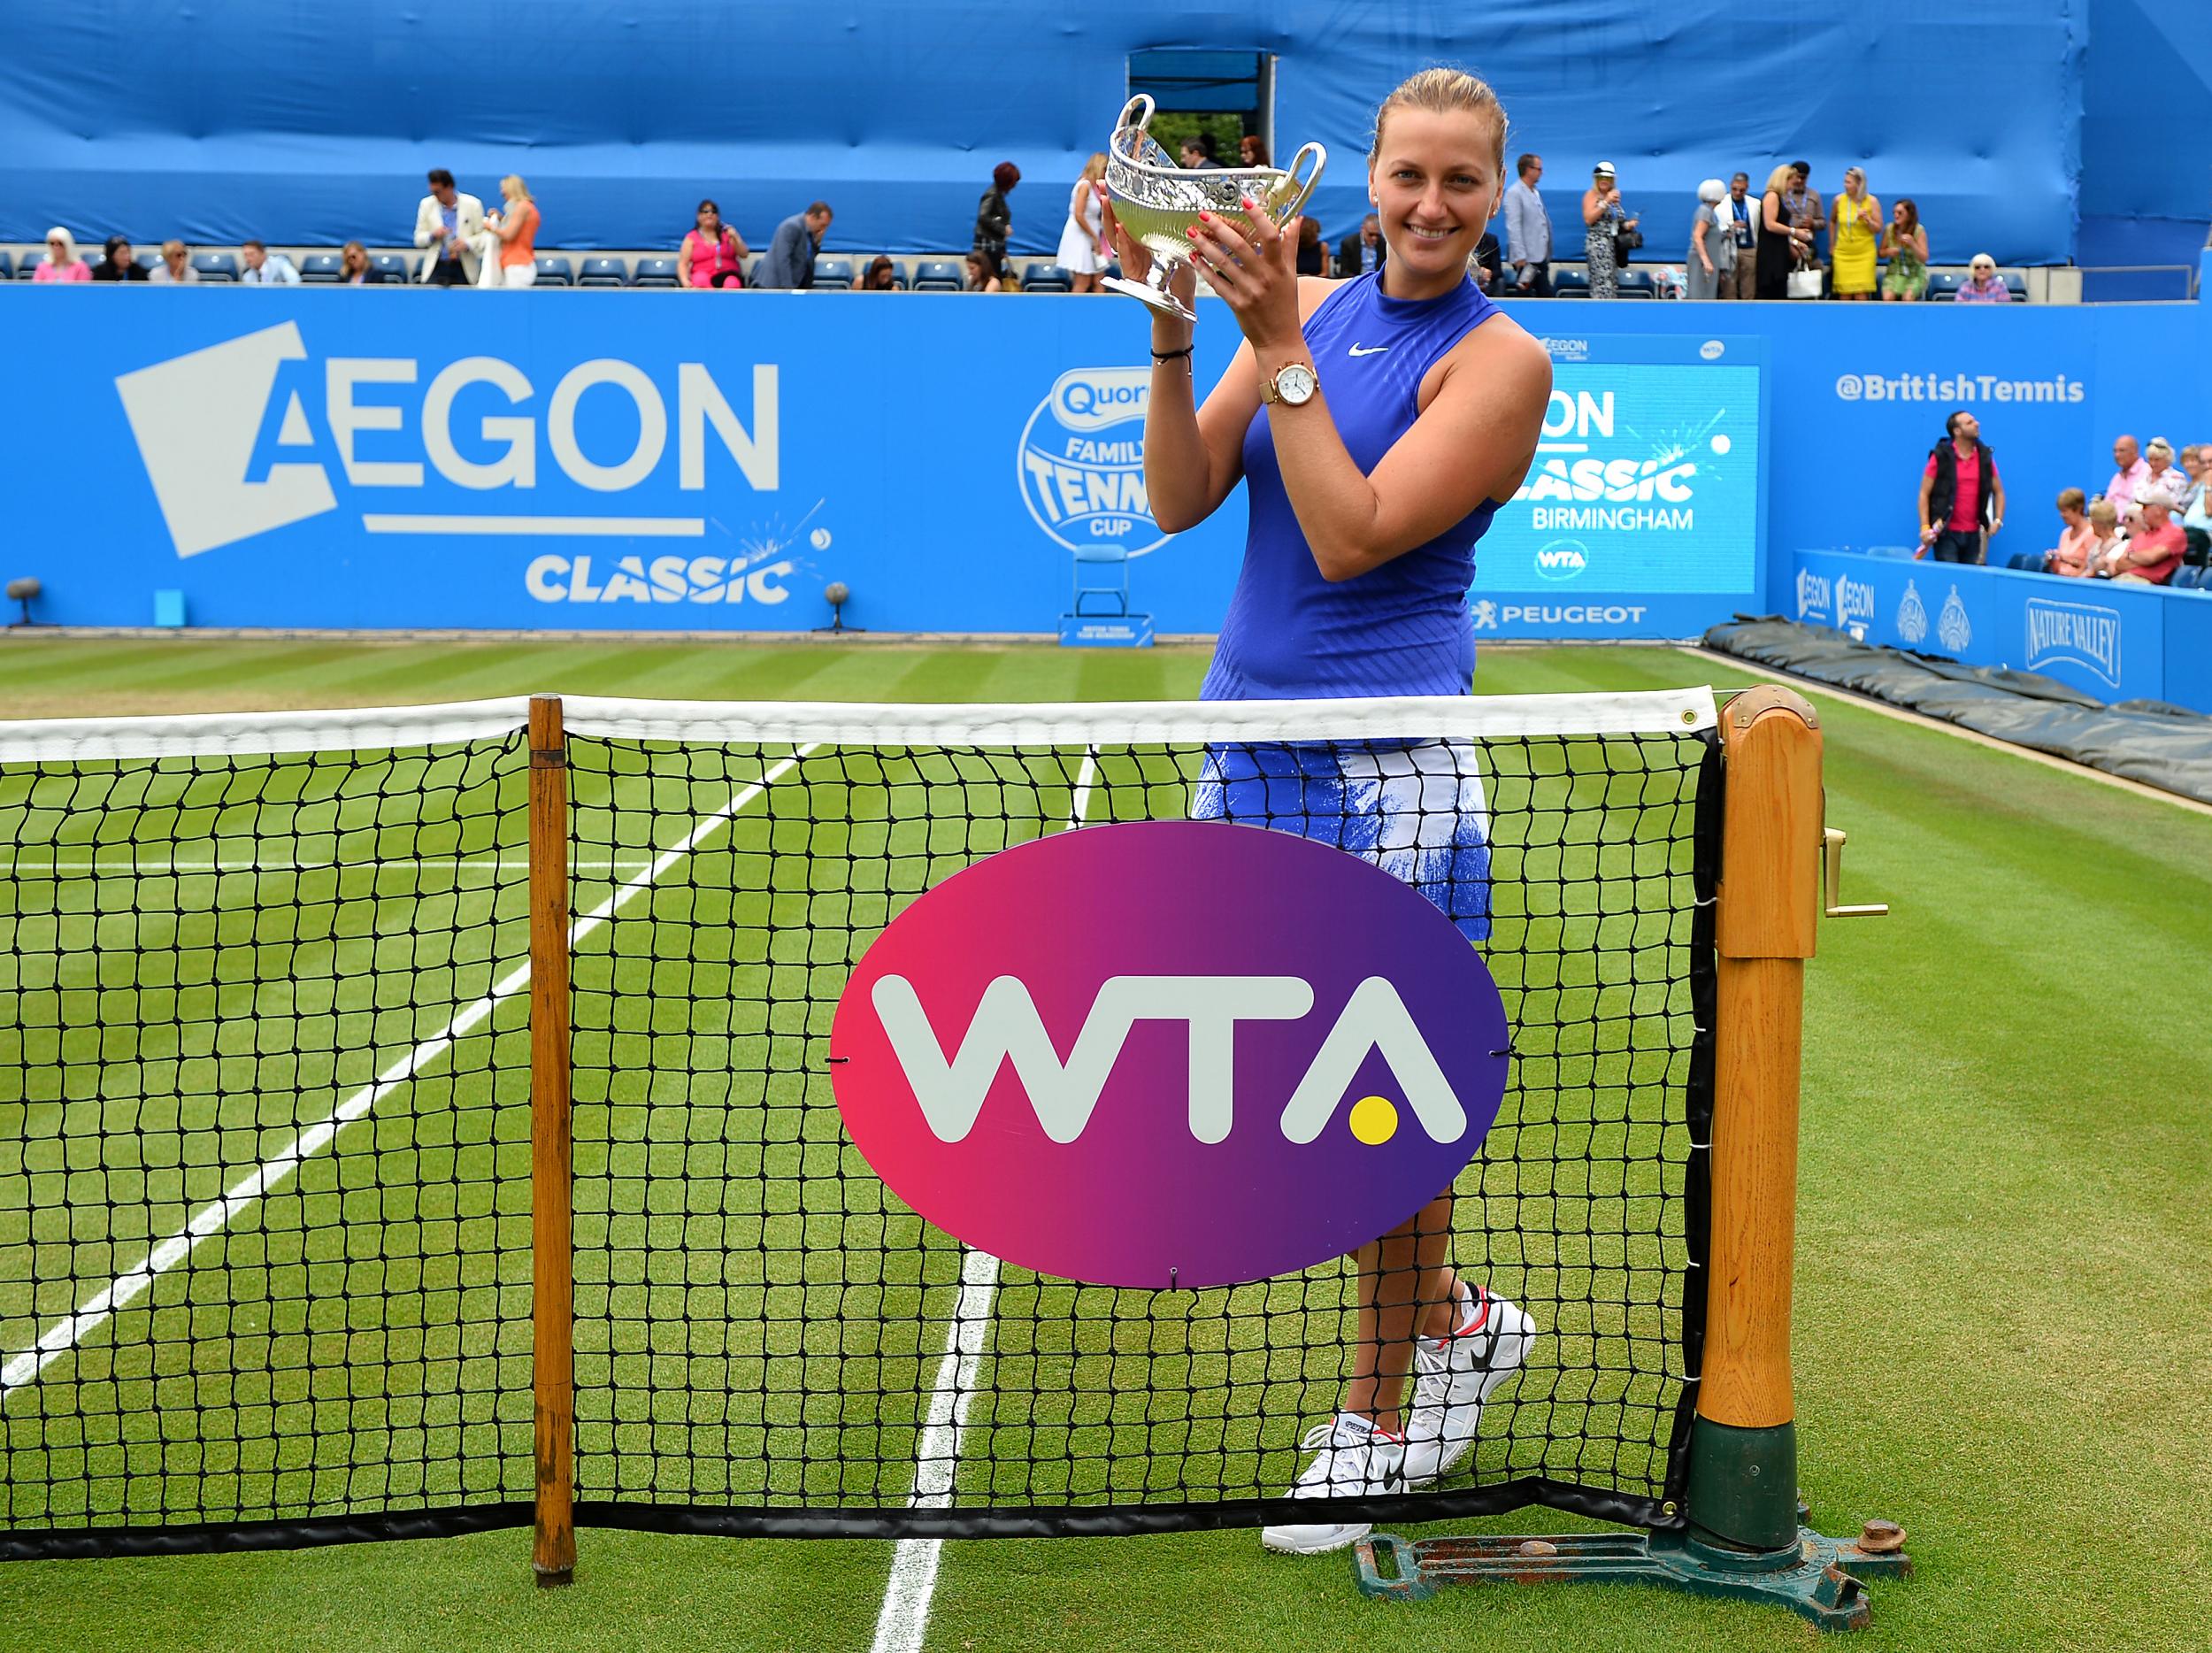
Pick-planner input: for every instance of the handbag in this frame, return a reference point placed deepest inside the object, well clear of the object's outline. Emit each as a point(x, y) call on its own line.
point(1804, 284)
point(1625, 241)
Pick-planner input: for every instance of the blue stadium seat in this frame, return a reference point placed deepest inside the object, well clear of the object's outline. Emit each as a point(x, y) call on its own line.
point(832, 275)
point(7, 265)
point(1570, 284)
point(603, 272)
point(216, 267)
point(655, 272)
point(554, 271)
point(940, 275)
point(2030, 560)
point(322, 268)
point(1046, 278)
point(1944, 285)
point(2188, 579)
point(2016, 285)
point(1902, 553)
point(392, 266)
point(1636, 284)
point(148, 262)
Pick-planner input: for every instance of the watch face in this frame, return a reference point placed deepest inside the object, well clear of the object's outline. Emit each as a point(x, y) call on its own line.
point(1295, 384)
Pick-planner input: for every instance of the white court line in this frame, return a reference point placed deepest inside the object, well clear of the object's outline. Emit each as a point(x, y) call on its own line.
point(127, 1289)
point(904, 1620)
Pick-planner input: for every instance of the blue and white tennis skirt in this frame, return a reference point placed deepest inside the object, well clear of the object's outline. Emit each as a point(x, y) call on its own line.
point(1414, 809)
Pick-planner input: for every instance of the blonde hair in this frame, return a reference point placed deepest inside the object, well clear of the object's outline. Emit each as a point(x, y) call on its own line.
point(2105, 514)
point(2159, 444)
point(1444, 92)
point(1779, 180)
point(1095, 168)
point(512, 187)
point(2072, 499)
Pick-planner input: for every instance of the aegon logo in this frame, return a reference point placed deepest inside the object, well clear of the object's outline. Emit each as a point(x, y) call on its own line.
point(1246, 1090)
point(1812, 595)
point(1854, 600)
point(249, 436)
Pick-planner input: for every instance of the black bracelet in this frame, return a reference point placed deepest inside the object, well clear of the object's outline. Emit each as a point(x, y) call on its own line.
point(1174, 355)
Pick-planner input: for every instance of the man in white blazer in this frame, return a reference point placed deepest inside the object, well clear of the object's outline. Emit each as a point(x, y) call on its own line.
point(450, 221)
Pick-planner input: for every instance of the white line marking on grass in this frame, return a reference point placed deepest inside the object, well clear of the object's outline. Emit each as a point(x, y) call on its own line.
point(904, 1620)
point(127, 1289)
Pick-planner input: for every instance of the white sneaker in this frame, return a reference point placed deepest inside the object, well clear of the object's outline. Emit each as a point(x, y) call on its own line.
point(1457, 1373)
point(1353, 1457)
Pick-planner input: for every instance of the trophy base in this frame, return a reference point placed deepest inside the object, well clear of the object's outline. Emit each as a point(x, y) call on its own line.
point(1166, 303)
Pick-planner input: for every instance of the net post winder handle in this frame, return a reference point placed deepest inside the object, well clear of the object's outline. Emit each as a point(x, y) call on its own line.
point(552, 1259)
point(1743, 1452)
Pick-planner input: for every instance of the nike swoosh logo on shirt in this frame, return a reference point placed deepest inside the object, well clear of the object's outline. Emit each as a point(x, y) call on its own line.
point(1372, 349)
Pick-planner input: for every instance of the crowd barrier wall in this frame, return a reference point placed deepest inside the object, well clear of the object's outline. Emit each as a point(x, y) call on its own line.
point(384, 459)
point(2113, 642)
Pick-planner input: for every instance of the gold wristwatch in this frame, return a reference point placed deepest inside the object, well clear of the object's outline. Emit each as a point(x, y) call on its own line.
point(1291, 385)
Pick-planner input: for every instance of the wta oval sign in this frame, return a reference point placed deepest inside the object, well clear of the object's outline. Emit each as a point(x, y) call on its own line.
point(1169, 1053)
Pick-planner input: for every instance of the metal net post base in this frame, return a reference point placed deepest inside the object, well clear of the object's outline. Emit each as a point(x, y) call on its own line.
point(1822, 1579)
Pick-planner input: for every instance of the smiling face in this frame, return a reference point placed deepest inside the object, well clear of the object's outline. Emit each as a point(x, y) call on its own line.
point(1436, 180)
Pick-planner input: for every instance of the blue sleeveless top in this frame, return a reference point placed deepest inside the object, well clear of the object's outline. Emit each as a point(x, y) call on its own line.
point(1399, 629)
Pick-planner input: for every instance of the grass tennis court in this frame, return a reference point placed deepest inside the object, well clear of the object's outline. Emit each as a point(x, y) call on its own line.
point(2001, 1254)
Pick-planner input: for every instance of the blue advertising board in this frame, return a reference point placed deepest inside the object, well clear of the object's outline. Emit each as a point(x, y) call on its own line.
point(2113, 642)
point(320, 457)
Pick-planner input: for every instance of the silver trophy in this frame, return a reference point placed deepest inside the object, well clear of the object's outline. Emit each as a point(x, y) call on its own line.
point(1157, 202)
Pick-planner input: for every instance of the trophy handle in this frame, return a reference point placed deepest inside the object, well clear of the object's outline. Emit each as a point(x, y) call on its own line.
point(1302, 189)
point(1136, 112)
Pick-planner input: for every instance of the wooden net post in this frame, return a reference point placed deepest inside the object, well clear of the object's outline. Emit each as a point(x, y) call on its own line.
point(552, 1270)
point(1743, 1459)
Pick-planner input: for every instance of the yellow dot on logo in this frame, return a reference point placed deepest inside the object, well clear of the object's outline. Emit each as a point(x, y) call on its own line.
point(1374, 1119)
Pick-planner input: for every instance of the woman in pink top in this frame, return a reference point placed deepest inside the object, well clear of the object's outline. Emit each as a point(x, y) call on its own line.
point(62, 263)
point(710, 255)
point(517, 229)
point(2070, 556)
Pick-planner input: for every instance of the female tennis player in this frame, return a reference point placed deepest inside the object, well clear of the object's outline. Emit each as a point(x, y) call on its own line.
point(1379, 422)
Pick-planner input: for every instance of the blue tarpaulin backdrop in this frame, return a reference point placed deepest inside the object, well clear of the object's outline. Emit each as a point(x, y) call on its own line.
point(314, 124)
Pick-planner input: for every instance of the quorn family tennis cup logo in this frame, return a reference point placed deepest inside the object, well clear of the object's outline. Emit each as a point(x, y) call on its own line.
point(1169, 1053)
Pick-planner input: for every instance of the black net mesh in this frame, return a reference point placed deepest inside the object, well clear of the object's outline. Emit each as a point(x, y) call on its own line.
point(264, 1230)
point(768, 1339)
point(264, 1176)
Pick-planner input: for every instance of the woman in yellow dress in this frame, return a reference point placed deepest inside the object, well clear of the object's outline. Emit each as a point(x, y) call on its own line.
point(1857, 234)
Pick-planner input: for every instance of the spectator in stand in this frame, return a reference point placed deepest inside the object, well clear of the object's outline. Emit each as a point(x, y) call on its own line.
point(1313, 252)
point(1528, 230)
point(450, 221)
point(265, 268)
point(1363, 252)
point(2196, 517)
point(1605, 221)
point(986, 274)
point(1856, 238)
point(1962, 497)
point(1805, 205)
point(1712, 264)
point(1905, 244)
point(354, 268)
point(882, 276)
point(120, 263)
point(1739, 218)
point(1085, 232)
point(2077, 536)
point(2150, 555)
point(1252, 151)
point(1783, 243)
point(511, 254)
point(1981, 285)
point(789, 262)
point(1197, 152)
point(712, 253)
point(1486, 264)
point(993, 219)
point(175, 267)
point(2105, 537)
point(61, 263)
point(2159, 475)
point(2128, 469)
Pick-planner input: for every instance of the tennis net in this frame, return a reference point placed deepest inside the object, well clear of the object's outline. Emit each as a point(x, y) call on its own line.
point(265, 1179)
